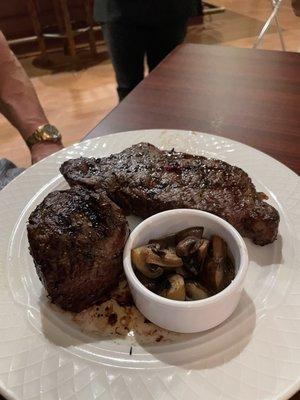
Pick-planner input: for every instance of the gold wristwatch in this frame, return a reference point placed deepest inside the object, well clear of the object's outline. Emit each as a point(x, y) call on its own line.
point(44, 133)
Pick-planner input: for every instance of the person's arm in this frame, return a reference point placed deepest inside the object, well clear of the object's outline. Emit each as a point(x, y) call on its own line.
point(19, 102)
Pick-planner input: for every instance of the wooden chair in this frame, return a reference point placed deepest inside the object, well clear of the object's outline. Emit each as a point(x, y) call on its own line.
point(65, 28)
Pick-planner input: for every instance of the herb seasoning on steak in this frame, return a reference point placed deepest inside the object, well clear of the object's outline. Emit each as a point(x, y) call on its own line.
point(76, 239)
point(144, 180)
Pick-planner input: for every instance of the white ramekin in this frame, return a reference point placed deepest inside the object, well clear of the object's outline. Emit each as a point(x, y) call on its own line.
point(186, 316)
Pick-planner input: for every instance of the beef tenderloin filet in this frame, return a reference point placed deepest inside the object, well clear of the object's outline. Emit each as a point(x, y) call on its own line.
point(76, 239)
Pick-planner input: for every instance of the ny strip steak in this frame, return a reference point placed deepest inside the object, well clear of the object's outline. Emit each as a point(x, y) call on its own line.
point(144, 180)
point(76, 239)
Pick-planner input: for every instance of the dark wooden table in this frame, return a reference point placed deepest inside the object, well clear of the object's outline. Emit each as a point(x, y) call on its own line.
point(251, 96)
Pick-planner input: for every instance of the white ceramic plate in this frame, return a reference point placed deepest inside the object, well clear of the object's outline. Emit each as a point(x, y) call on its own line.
point(253, 355)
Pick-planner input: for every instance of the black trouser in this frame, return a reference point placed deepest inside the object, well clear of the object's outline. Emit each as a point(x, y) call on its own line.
point(129, 42)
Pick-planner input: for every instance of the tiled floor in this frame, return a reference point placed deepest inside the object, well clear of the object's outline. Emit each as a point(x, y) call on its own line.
point(76, 101)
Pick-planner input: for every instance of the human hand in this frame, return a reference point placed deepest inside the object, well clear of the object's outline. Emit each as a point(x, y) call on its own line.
point(43, 149)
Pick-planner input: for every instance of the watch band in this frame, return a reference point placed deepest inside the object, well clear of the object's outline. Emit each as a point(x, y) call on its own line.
point(44, 133)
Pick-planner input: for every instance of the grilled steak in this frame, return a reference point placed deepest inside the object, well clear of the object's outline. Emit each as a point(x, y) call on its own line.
point(144, 180)
point(76, 239)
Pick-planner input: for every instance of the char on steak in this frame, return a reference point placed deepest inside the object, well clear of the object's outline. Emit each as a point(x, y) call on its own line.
point(76, 239)
point(144, 180)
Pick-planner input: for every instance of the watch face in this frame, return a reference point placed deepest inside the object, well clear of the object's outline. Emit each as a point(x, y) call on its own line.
point(45, 135)
point(49, 132)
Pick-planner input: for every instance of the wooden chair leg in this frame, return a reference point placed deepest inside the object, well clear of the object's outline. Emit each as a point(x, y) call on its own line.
point(32, 9)
point(60, 22)
point(88, 5)
point(68, 29)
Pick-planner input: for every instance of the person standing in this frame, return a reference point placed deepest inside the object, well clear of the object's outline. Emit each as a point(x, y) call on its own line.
point(135, 29)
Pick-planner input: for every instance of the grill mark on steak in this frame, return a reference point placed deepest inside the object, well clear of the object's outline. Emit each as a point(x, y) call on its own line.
point(144, 180)
point(76, 239)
